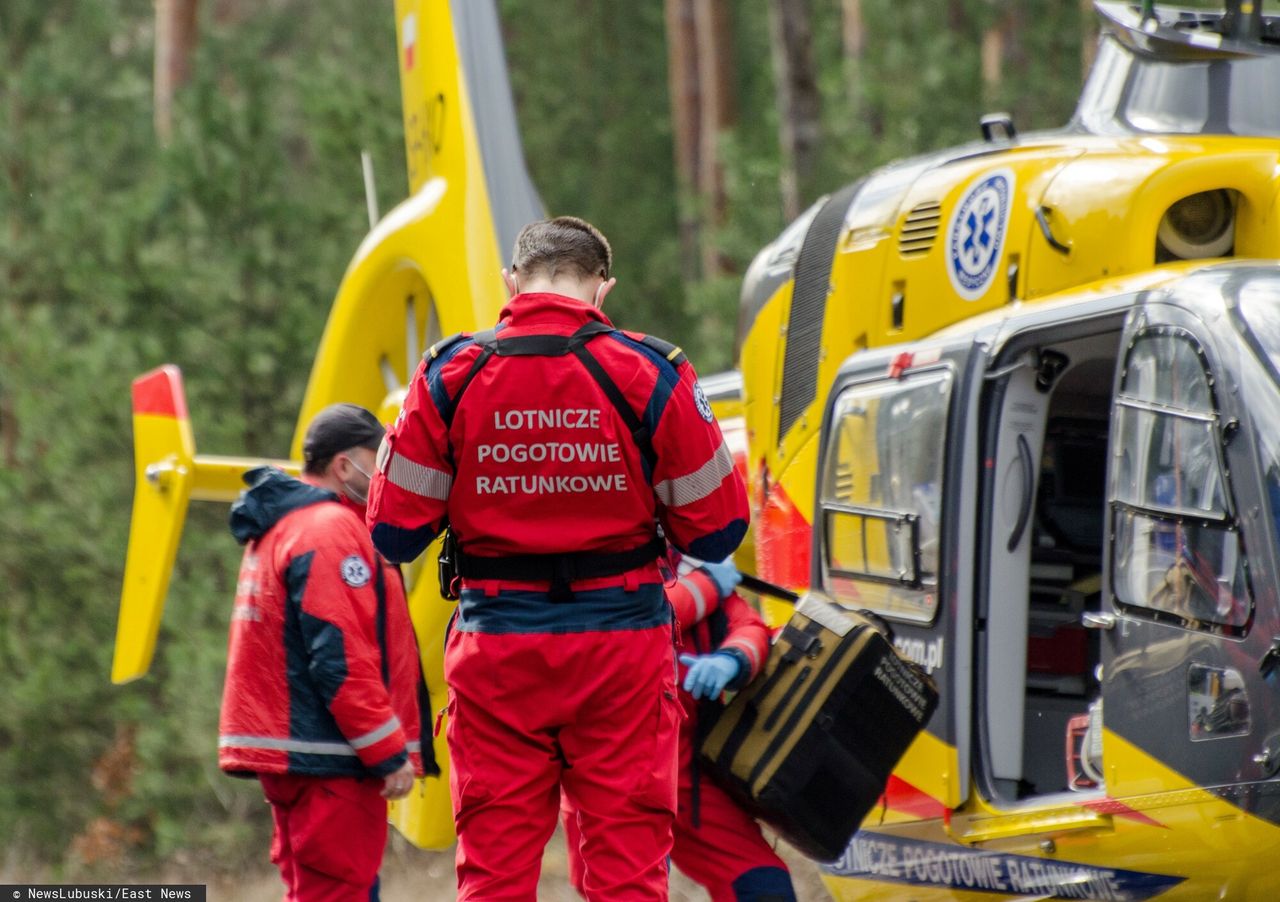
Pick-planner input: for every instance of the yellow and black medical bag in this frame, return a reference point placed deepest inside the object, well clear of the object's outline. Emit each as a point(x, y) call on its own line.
point(809, 744)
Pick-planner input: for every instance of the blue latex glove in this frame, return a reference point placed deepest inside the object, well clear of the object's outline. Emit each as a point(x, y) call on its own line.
point(725, 575)
point(709, 674)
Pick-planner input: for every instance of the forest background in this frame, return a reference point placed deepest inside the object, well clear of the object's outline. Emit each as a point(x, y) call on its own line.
point(201, 209)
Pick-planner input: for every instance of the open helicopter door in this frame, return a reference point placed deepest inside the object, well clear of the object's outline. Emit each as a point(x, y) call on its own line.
point(894, 535)
point(1190, 608)
point(1042, 413)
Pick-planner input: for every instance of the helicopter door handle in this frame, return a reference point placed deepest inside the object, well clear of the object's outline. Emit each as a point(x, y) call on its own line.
point(1028, 489)
point(1098, 620)
point(1271, 660)
point(1043, 219)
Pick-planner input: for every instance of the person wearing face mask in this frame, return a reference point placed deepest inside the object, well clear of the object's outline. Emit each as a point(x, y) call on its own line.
point(554, 445)
point(323, 687)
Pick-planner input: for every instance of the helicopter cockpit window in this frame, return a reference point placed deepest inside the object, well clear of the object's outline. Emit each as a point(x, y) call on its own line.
point(1169, 98)
point(1257, 313)
point(1129, 92)
point(1177, 552)
point(882, 495)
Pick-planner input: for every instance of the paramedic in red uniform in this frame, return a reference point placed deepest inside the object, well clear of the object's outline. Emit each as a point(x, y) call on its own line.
point(323, 687)
point(717, 844)
point(550, 446)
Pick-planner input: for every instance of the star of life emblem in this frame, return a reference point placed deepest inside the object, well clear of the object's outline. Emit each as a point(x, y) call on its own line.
point(704, 406)
point(355, 572)
point(975, 235)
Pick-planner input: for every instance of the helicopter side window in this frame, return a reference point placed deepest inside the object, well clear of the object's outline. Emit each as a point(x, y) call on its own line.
point(1177, 553)
point(1130, 92)
point(882, 495)
point(1169, 98)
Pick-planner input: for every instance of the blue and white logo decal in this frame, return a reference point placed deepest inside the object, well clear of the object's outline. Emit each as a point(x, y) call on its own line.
point(879, 856)
point(355, 572)
point(975, 234)
point(704, 406)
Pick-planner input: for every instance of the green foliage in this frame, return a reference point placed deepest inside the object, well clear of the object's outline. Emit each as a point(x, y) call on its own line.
point(222, 252)
point(591, 90)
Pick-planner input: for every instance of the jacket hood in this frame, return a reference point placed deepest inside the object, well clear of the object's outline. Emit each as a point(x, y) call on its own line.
point(271, 495)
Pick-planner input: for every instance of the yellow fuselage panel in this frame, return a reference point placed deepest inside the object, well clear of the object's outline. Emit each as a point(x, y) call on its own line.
point(1101, 198)
point(1201, 845)
point(434, 259)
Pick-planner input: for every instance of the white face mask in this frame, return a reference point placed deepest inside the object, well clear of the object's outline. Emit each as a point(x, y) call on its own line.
point(356, 495)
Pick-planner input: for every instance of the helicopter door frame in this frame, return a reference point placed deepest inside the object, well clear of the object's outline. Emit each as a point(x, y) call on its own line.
point(1027, 386)
point(1182, 643)
point(931, 615)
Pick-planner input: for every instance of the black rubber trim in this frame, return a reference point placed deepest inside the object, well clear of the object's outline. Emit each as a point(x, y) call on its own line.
point(808, 309)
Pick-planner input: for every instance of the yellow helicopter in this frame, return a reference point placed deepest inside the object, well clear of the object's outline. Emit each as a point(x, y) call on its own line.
point(999, 396)
point(971, 254)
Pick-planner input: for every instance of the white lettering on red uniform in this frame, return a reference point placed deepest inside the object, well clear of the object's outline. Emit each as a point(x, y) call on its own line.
point(496, 459)
point(556, 418)
point(550, 485)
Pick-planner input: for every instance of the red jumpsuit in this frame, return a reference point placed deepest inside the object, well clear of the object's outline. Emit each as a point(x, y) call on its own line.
point(717, 844)
point(323, 684)
point(536, 464)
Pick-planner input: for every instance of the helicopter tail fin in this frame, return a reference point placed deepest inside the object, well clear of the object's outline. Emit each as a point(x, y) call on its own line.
point(168, 476)
point(164, 457)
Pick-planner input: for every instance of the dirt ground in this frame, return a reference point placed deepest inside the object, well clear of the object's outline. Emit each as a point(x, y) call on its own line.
point(412, 875)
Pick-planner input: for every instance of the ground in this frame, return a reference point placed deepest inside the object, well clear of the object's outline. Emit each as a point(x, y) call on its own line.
point(412, 875)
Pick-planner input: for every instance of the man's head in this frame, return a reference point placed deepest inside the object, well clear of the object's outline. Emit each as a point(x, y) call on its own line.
point(560, 252)
point(340, 449)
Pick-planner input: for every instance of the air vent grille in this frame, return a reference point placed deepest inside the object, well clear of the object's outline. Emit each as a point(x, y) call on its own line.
point(920, 230)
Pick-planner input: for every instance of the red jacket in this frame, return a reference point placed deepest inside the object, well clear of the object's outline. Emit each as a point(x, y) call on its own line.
point(323, 675)
point(708, 624)
point(535, 459)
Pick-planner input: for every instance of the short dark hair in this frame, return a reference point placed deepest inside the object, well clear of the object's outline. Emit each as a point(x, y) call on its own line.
point(566, 242)
point(338, 428)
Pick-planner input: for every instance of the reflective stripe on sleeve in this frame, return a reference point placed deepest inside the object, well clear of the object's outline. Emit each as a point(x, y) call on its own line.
point(377, 735)
point(699, 600)
point(697, 485)
point(285, 745)
point(421, 480)
point(313, 748)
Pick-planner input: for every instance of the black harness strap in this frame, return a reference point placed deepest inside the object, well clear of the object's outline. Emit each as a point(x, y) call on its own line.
point(559, 569)
point(486, 341)
point(639, 432)
point(557, 346)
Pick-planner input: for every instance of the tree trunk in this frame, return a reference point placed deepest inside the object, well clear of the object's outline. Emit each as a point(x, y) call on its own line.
point(718, 112)
point(176, 32)
point(791, 44)
point(700, 80)
point(686, 103)
point(853, 31)
point(853, 37)
point(992, 62)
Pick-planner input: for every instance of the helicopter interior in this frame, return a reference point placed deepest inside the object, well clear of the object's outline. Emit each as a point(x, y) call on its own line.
point(1047, 519)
